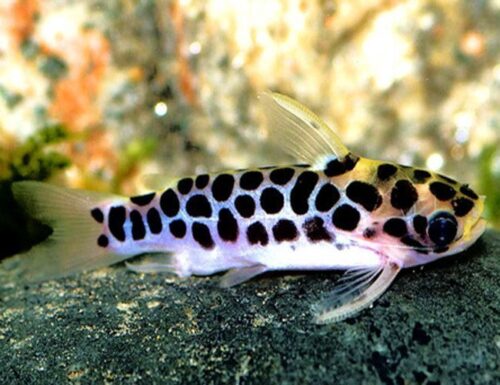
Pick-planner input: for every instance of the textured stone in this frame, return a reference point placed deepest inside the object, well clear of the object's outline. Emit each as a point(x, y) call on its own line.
point(436, 325)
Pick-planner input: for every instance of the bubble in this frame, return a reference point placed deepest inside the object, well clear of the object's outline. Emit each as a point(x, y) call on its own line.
point(161, 109)
point(195, 48)
point(435, 161)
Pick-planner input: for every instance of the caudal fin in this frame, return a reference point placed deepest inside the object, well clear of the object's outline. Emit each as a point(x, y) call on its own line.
point(72, 246)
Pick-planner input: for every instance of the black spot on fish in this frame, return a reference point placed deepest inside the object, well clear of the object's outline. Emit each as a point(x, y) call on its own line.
point(421, 176)
point(143, 200)
point(116, 220)
point(281, 176)
point(185, 185)
point(403, 195)
point(395, 227)
point(346, 217)
point(271, 200)
point(442, 191)
point(447, 179)
point(154, 221)
point(103, 241)
point(442, 228)
point(365, 194)
point(178, 228)
point(227, 226)
point(201, 234)
point(201, 181)
point(467, 191)
point(285, 230)
point(251, 180)
point(441, 249)
point(386, 171)
point(222, 187)
point(326, 198)
point(245, 205)
point(420, 225)
point(301, 191)
point(169, 203)
point(315, 230)
point(97, 214)
point(462, 206)
point(369, 232)
point(257, 234)
point(337, 167)
point(138, 229)
point(199, 206)
point(409, 241)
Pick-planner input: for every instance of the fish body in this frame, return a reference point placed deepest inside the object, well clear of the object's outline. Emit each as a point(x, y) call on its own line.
point(335, 211)
point(280, 218)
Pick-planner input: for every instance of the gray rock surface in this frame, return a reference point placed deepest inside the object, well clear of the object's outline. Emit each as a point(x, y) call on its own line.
point(436, 325)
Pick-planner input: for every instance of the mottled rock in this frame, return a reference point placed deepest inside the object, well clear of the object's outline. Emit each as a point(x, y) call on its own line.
point(436, 325)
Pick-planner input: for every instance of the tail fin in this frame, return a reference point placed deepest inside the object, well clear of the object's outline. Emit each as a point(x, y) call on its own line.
point(72, 247)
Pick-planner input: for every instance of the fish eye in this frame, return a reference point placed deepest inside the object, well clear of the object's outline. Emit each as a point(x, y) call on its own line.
point(442, 228)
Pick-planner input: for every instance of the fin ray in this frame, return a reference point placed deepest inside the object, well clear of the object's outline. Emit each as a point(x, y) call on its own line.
point(357, 290)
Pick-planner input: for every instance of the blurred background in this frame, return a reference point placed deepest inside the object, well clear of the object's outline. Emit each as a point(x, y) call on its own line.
point(95, 94)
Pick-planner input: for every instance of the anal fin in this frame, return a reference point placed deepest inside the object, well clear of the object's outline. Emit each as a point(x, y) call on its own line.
point(154, 263)
point(357, 290)
point(236, 276)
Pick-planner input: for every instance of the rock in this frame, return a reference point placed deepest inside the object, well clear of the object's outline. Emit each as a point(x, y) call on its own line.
point(436, 325)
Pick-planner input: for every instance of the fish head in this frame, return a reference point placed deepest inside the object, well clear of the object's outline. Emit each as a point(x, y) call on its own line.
point(449, 233)
point(452, 225)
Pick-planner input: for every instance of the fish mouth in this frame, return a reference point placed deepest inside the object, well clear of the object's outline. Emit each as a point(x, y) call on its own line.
point(476, 231)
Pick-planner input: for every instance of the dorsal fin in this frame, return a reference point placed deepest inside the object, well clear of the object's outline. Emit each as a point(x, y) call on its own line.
point(300, 131)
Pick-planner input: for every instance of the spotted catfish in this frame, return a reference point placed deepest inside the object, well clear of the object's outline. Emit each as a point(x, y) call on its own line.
point(336, 211)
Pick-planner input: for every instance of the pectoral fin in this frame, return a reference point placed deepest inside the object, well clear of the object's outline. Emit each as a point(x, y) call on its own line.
point(357, 290)
point(236, 276)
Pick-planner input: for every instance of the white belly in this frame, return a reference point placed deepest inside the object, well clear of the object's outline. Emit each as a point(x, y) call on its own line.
point(286, 256)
